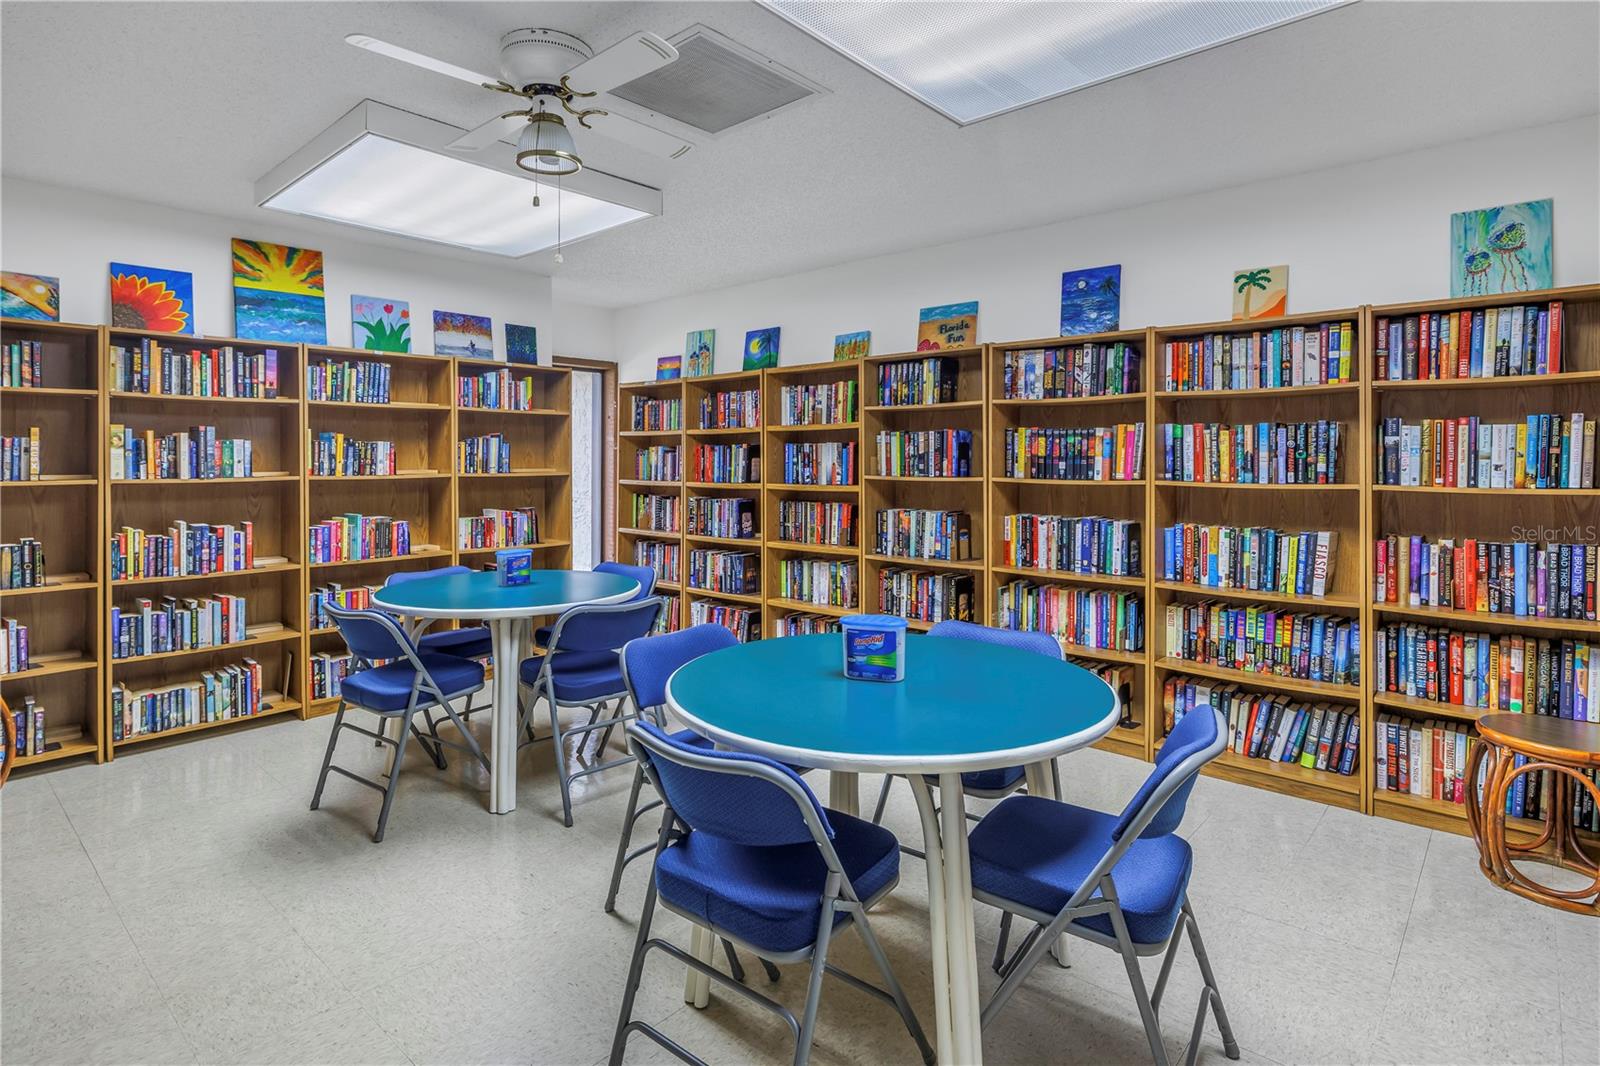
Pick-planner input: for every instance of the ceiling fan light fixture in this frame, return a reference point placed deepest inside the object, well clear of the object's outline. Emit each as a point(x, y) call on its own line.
point(546, 148)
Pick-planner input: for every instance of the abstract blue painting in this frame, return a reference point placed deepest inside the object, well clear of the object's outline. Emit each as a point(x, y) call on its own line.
point(1501, 249)
point(522, 344)
point(761, 348)
point(1091, 300)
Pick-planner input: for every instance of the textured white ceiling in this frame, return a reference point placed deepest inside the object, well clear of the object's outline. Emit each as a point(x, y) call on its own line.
point(189, 103)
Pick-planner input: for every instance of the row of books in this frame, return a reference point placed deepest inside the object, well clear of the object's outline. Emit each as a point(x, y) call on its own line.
point(924, 453)
point(1077, 544)
point(726, 464)
point(1492, 342)
point(820, 463)
point(1546, 451)
point(1485, 671)
point(925, 597)
point(13, 646)
point(1075, 370)
point(1097, 453)
point(652, 511)
point(353, 537)
point(664, 558)
point(29, 721)
point(153, 627)
point(742, 622)
point(659, 462)
point(218, 695)
point(349, 381)
point(714, 516)
point(1272, 726)
point(22, 365)
point(1253, 558)
point(1428, 758)
point(934, 379)
point(1265, 640)
point(826, 522)
point(1285, 357)
point(185, 549)
point(328, 669)
point(335, 455)
point(825, 404)
point(716, 570)
point(488, 454)
point(496, 390)
point(804, 625)
point(157, 370)
point(669, 619)
point(825, 582)
point(191, 454)
point(651, 414)
point(924, 533)
point(22, 564)
point(1529, 580)
point(1089, 618)
point(498, 527)
point(349, 597)
point(21, 456)
point(731, 409)
point(1262, 453)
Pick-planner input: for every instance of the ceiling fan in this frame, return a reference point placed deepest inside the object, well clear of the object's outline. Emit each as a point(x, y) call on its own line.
point(542, 65)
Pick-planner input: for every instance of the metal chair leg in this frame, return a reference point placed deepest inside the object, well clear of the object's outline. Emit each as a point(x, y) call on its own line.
point(561, 763)
point(619, 1039)
point(625, 839)
point(734, 966)
point(327, 758)
point(1130, 961)
point(901, 1004)
point(1211, 994)
point(1000, 946)
point(394, 777)
point(883, 800)
point(819, 965)
point(772, 971)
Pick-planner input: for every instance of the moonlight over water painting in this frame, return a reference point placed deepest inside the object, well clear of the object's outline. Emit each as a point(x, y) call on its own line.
point(463, 336)
point(1091, 300)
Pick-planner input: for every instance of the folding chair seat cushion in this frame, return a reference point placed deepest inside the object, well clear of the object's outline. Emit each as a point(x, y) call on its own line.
point(388, 688)
point(578, 675)
point(996, 780)
point(771, 897)
point(472, 642)
point(1037, 852)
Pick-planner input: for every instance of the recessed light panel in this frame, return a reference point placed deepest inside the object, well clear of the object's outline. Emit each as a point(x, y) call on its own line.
point(972, 61)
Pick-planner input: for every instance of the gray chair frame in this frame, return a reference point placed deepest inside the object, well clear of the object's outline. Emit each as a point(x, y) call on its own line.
point(838, 895)
point(1098, 895)
point(426, 695)
point(634, 812)
point(529, 695)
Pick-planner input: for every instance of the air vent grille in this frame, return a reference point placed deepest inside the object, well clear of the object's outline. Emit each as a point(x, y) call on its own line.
point(715, 85)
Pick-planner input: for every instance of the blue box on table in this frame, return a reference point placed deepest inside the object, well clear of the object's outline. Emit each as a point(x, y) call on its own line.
point(514, 565)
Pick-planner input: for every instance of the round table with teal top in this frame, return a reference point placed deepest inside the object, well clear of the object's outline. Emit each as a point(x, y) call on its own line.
point(507, 609)
point(963, 706)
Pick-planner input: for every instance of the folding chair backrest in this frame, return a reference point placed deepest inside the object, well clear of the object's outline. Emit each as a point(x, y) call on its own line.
point(1039, 643)
point(371, 634)
point(417, 575)
point(743, 798)
point(648, 661)
point(604, 627)
point(1196, 740)
point(644, 575)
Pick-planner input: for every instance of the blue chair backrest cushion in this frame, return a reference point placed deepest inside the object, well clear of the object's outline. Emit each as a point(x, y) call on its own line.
point(403, 576)
point(728, 804)
point(1039, 643)
point(368, 634)
point(1197, 731)
point(644, 575)
point(649, 661)
point(603, 627)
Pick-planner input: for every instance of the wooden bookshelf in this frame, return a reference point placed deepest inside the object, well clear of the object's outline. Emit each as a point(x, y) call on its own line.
point(702, 431)
point(632, 542)
point(65, 512)
point(1115, 499)
point(1339, 508)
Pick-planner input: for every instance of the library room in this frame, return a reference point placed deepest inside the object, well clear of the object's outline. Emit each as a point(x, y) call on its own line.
point(873, 532)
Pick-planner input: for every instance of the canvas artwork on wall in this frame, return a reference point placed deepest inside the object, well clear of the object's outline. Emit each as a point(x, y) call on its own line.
point(1091, 300)
point(947, 326)
point(1501, 249)
point(1260, 293)
point(32, 296)
point(152, 298)
point(699, 353)
point(463, 336)
point(522, 344)
point(852, 345)
point(278, 293)
point(380, 325)
point(669, 367)
point(761, 348)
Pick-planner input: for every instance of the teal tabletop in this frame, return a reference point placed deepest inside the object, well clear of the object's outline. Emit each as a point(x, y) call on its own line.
point(963, 705)
point(480, 594)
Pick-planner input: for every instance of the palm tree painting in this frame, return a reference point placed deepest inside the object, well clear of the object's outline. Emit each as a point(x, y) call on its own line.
point(1091, 300)
point(1501, 249)
point(1260, 293)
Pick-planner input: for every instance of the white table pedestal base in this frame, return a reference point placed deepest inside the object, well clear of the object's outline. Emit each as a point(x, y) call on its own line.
point(508, 635)
point(952, 937)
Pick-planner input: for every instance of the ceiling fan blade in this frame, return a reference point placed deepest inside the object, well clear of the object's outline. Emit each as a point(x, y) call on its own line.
point(498, 128)
point(638, 135)
point(417, 59)
point(621, 63)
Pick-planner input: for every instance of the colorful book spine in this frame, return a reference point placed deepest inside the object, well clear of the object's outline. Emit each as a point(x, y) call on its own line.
point(488, 454)
point(1261, 453)
point(726, 464)
point(1284, 357)
point(493, 527)
point(742, 622)
point(820, 463)
point(925, 597)
point(1088, 618)
point(224, 372)
point(924, 453)
point(1316, 735)
point(657, 513)
point(824, 582)
point(344, 381)
point(1070, 372)
point(651, 415)
point(1079, 545)
point(733, 518)
point(821, 522)
point(660, 462)
point(1266, 640)
point(496, 390)
point(1537, 580)
point(921, 533)
point(732, 409)
point(1251, 558)
point(1546, 451)
point(186, 549)
point(1521, 340)
point(919, 382)
point(829, 404)
point(1101, 453)
point(665, 559)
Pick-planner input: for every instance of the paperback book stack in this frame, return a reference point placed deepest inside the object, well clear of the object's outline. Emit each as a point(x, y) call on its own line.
point(13, 646)
point(802, 625)
point(335, 455)
point(517, 527)
point(327, 670)
point(351, 598)
point(1101, 453)
point(725, 571)
point(185, 549)
point(29, 722)
point(726, 464)
point(22, 564)
point(925, 453)
point(488, 454)
point(733, 518)
point(1276, 728)
point(1077, 370)
point(151, 627)
point(919, 533)
point(20, 456)
point(219, 695)
point(495, 390)
point(1253, 558)
point(1262, 453)
point(824, 582)
point(149, 368)
point(341, 381)
point(1265, 640)
point(657, 463)
point(1486, 672)
point(1491, 342)
point(22, 365)
point(925, 597)
point(1518, 578)
point(817, 522)
point(195, 453)
point(918, 381)
point(1427, 757)
point(650, 415)
point(742, 622)
point(353, 537)
point(737, 409)
point(1090, 545)
point(823, 463)
point(1549, 451)
point(659, 556)
point(656, 513)
point(831, 404)
point(1286, 357)
point(1089, 618)
point(1120, 676)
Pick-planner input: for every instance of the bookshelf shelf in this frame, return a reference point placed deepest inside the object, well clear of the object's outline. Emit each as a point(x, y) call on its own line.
point(160, 399)
point(277, 702)
point(1516, 381)
point(399, 475)
point(1256, 393)
point(50, 664)
point(1122, 398)
point(922, 408)
point(808, 549)
point(646, 434)
point(221, 575)
point(1427, 708)
point(525, 473)
point(1348, 603)
point(416, 556)
point(646, 483)
point(702, 538)
point(76, 743)
point(815, 427)
point(1131, 483)
point(1272, 682)
point(663, 549)
point(730, 486)
point(1452, 490)
point(1066, 577)
point(713, 594)
point(54, 481)
point(261, 635)
point(1471, 619)
point(22, 392)
point(54, 585)
point(1233, 486)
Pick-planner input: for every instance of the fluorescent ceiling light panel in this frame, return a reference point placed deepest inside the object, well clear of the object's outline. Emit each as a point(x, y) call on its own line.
point(386, 170)
point(971, 61)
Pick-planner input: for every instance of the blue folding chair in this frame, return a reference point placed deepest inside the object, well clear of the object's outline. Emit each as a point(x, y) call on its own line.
point(981, 784)
point(1120, 881)
point(746, 851)
point(583, 668)
point(470, 642)
point(644, 575)
point(411, 681)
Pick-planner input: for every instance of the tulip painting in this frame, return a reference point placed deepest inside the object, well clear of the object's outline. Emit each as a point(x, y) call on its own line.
point(148, 298)
point(380, 325)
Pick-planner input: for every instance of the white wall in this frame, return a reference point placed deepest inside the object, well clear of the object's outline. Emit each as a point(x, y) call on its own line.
point(1373, 232)
point(74, 235)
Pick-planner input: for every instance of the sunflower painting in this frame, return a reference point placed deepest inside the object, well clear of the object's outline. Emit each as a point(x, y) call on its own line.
point(152, 299)
point(278, 293)
point(32, 296)
point(380, 325)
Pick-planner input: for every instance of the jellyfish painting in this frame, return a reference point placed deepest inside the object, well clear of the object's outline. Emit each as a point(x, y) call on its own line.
point(1514, 236)
point(1476, 265)
point(1507, 241)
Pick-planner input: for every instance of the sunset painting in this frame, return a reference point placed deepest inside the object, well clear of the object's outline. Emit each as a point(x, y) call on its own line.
point(278, 293)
